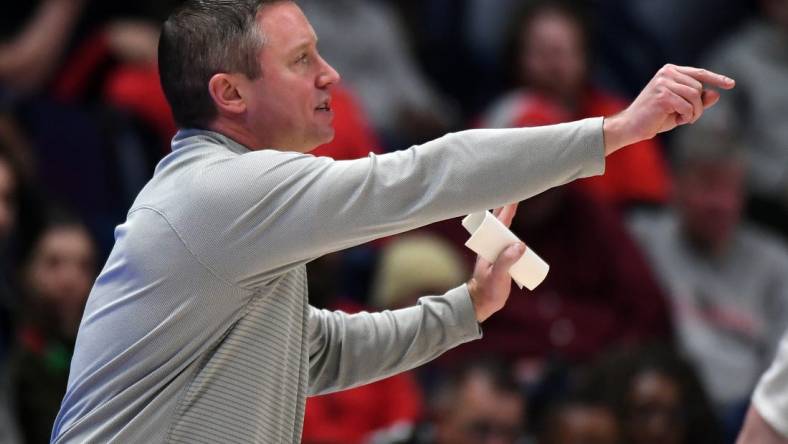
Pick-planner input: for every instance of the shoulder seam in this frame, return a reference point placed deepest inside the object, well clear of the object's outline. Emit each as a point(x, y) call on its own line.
point(210, 269)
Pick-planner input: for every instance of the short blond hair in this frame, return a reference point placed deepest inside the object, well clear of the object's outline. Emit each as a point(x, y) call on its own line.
point(413, 264)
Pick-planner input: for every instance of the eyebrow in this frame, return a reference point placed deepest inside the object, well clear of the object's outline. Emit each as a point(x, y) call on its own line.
point(303, 45)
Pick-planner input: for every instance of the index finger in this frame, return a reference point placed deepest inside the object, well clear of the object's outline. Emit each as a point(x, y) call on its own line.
point(506, 214)
point(708, 77)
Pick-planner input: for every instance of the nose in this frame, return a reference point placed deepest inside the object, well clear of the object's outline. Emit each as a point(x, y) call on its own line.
point(328, 75)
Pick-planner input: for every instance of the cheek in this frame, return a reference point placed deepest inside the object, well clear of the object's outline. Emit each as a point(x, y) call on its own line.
point(535, 67)
point(288, 105)
point(43, 281)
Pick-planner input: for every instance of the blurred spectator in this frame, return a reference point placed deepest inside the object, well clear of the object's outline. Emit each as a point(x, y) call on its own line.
point(56, 277)
point(657, 398)
point(599, 292)
point(581, 419)
point(394, 403)
point(83, 87)
point(365, 42)
point(9, 184)
point(36, 37)
point(550, 62)
point(727, 281)
point(18, 220)
point(76, 52)
point(477, 403)
point(757, 58)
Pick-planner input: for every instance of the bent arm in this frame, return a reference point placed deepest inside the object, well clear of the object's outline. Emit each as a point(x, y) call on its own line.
point(270, 211)
point(350, 350)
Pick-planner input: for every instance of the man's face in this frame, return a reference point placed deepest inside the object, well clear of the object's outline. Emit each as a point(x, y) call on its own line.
point(482, 415)
point(553, 58)
point(288, 106)
point(656, 415)
point(710, 200)
point(61, 272)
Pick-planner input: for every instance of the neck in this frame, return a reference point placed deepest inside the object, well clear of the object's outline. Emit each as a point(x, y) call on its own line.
point(236, 132)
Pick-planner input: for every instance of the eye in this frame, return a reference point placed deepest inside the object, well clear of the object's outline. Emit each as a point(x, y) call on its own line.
point(303, 59)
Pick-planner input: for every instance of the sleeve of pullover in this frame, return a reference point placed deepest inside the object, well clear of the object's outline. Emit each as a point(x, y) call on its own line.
point(259, 214)
point(350, 350)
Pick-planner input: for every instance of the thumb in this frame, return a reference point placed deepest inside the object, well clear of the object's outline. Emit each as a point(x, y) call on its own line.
point(709, 98)
point(508, 257)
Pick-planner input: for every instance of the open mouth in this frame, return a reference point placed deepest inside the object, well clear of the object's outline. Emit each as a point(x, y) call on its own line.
point(324, 107)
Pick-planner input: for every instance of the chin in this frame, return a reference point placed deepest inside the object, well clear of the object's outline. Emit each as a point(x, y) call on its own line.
point(327, 137)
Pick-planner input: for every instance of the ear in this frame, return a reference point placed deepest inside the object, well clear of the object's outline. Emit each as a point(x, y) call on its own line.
point(224, 92)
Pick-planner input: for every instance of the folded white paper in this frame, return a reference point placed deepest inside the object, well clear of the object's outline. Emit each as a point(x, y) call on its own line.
point(489, 237)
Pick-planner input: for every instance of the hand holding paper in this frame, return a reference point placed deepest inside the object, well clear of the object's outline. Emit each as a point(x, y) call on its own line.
point(490, 285)
point(489, 237)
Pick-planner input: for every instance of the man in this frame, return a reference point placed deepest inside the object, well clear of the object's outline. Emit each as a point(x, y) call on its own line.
point(479, 403)
point(199, 328)
point(756, 55)
point(551, 64)
point(727, 280)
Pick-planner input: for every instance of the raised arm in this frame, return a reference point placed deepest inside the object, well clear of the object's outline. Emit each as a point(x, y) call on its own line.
point(274, 210)
point(29, 58)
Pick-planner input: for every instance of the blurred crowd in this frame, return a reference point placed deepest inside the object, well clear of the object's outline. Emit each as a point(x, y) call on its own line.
point(668, 288)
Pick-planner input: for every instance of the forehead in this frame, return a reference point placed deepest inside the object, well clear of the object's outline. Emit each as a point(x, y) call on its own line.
point(66, 239)
point(284, 26)
point(549, 24)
